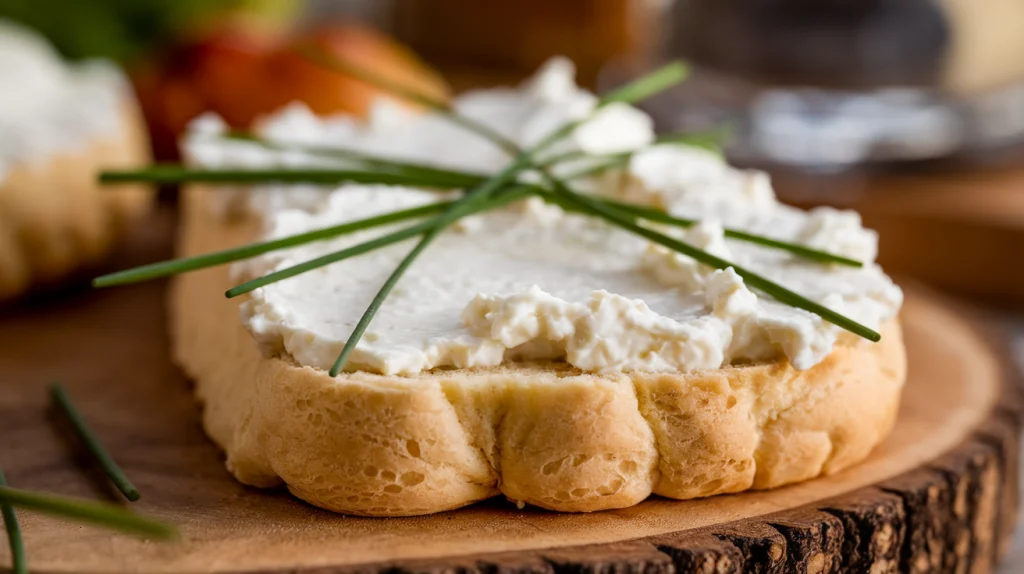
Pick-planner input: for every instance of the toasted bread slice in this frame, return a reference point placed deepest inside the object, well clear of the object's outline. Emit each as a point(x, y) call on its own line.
point(544, 434)
point(55, 217)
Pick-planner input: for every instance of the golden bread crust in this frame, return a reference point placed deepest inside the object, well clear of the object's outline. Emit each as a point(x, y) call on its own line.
point(56, 218)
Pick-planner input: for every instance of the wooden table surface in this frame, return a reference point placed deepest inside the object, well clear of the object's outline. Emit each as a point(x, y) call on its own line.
point(1014, 325)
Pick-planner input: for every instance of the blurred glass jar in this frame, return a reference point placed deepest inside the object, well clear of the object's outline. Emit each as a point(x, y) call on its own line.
point(825, 85)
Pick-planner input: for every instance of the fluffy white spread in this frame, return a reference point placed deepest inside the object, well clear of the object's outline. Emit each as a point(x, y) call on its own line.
point(48, 106)
point(530, 281)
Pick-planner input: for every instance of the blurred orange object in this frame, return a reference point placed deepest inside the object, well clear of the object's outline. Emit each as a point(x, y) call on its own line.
point(476, 42)
point(328, 91)
point(242, 75)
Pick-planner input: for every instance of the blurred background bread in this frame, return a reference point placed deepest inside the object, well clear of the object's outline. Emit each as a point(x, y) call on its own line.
point(59, 124)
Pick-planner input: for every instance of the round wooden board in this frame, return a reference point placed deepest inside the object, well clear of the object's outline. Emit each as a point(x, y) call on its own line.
point(939, 493)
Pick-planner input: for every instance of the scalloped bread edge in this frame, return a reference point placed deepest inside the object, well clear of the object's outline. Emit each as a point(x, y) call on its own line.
point(55, 218)
point(546, 435)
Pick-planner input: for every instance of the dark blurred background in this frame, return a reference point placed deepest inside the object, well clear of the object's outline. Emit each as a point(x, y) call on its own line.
point(911, 111)
point(854, 81)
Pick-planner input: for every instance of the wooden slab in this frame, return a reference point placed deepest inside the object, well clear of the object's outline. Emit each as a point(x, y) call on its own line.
point(939, 493)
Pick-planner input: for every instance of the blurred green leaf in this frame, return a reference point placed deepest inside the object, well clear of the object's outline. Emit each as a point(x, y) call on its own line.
point(123, 30)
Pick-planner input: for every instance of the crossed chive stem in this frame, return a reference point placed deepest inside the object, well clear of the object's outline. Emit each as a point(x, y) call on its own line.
point(91, 442)
point(19, 564)
point(483, 192)
point(101, 514)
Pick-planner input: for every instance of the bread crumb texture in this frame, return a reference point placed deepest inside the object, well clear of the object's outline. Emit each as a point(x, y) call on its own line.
point(543, 434)
point(56, 218)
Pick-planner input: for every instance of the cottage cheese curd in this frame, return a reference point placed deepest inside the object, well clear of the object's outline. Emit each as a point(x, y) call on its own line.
point(531, 282)
point(47, 106)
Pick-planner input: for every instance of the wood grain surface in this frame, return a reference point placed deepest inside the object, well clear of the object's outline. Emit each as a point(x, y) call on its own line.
point(938, 495)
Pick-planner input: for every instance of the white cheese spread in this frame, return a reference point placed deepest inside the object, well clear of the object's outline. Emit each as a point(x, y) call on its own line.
point(48, 106)
point(531, 282)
